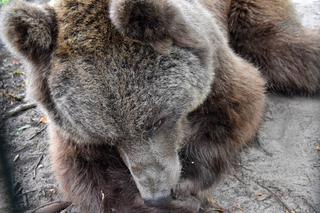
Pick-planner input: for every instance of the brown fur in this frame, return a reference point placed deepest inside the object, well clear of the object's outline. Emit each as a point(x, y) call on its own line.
point(227, 121)
point(269, 34)
point(96, 179)
point(89, 167)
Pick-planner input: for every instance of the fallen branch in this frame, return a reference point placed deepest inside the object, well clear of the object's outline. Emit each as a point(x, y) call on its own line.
point(284, 205)
point(19, 109)
point(52, 207)
point(278, 199)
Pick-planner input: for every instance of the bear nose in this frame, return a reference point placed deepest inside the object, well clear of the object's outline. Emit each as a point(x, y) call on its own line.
point(158, 202)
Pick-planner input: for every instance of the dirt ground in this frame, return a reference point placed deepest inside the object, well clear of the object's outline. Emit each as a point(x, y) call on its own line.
point(281, 174)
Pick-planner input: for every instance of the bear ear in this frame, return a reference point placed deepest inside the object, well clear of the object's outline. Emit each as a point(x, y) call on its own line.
point(143, 20)
point(29, 30)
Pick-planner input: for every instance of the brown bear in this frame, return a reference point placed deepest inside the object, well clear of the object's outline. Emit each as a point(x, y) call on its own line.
point(150, 100)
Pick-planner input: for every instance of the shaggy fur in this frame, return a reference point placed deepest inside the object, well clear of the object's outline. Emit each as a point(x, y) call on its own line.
point(146, 99)
point(100, 180)
point(269, 34)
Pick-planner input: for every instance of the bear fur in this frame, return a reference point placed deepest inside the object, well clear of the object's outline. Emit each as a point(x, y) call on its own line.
point(150, 100)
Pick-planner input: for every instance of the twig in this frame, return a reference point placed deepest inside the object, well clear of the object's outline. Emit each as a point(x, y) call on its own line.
point(52, 207)
point(240, 180)
point(25, 199)
point(15, 97)
point(211, 206)
point(27, 192)
point(274, 195)
point(284, 205)
point(19, 109)
point(245, 168)
point(37, 133)
point(37, 165)
point(21, 149)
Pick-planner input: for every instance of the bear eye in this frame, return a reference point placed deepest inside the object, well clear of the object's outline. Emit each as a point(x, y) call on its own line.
point(157, 125)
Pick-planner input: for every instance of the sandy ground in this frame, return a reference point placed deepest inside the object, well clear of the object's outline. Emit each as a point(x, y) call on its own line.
point(280, 174)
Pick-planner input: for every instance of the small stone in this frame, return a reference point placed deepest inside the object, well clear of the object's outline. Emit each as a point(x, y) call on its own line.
point(260, 196)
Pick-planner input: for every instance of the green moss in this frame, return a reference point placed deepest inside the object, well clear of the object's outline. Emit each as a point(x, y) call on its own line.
point(3, 2)
point(18, 73)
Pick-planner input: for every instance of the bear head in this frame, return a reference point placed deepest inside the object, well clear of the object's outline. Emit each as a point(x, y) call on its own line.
point(112, 72)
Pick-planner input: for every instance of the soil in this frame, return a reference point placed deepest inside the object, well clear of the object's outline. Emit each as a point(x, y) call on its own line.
point(281, 173)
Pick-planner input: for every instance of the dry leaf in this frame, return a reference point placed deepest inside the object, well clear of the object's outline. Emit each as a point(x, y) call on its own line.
point(44, 120)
